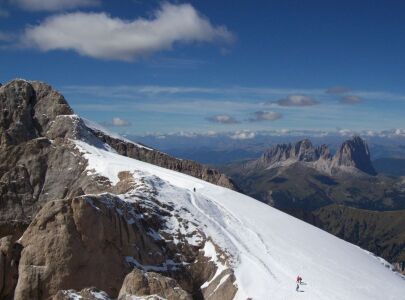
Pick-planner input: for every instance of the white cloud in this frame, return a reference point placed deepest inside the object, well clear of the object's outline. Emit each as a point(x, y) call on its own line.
point(243, 135)
point(297, 100)
point(99, 35)
point(53, 5)
point(118, 122)
point(222, 119)
point(265, 116)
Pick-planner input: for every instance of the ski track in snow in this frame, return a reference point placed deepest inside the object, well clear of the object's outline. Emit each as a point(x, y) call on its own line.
point(230, 232)
point(268, 248)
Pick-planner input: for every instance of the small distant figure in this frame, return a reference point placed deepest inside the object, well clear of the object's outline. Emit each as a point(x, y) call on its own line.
point(194, 189)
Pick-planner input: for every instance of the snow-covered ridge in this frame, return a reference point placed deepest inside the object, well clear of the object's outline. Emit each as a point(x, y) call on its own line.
point(98, 127)
point(268, 248)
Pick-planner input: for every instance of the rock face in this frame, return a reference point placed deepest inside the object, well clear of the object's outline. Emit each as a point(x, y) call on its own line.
point(80, 242)
point(35, 165)
point(139, 283)
point(352, 157)
point(354, 153)
point(9, 259)
point(301, 151)
point(27, 110)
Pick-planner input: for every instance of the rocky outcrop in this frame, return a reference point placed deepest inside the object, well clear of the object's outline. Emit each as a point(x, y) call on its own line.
point(300, 151)
point(137, 285)
point(81, 242)
point(353, 153)
point(35, 167)
point(140, 283)
point(352, 157)
point(27, 110)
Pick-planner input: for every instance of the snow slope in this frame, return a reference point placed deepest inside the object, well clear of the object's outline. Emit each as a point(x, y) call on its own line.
point(268, 248)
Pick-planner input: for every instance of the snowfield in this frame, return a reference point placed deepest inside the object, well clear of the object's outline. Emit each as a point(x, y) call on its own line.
point(268, 248)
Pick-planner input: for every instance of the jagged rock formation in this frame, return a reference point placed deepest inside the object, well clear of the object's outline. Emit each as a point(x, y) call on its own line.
point(34, 162)
point(301, 151)
point(67, 217)
point(352, 157)
point(353, 153)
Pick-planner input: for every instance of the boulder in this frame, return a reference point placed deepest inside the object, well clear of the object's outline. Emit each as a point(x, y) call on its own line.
point(140, 283)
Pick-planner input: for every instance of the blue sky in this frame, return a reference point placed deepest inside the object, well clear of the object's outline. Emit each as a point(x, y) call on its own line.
point(211, 66)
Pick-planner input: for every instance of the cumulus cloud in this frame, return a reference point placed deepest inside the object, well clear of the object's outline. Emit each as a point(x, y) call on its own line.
point(350, 100)
point(297, 100)
point(99, 35)
point(222, 119)
point(263, 115)
point(243, 135)
point(338, 90)
point(53, 5)
point(117, 122)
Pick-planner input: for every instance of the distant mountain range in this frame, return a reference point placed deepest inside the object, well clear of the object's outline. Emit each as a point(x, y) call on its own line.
point(221, 149)
point(313, 184)
point(352, 157)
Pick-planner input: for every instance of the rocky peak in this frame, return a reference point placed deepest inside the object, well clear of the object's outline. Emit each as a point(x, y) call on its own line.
point(304, 151)
point(352, 156)
point(354, 153)
point(324, 152)
point(27, 109)
point(280, 153)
